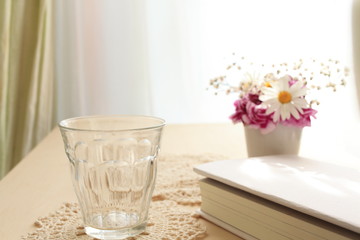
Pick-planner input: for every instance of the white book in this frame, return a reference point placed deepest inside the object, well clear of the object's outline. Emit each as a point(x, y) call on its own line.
point(319, 189)
point(264, 219)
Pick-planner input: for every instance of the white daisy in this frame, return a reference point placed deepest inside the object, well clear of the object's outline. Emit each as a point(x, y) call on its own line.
point(284, 100)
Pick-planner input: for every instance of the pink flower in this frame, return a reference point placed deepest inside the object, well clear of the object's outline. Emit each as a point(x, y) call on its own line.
point(292, 81)
point(303, 121)
point(249, 111)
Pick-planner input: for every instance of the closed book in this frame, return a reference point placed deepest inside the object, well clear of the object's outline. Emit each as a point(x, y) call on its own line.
point(283, 197)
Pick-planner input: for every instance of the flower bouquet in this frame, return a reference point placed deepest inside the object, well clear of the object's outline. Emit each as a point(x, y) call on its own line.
point(276, 96)
point(279, 101)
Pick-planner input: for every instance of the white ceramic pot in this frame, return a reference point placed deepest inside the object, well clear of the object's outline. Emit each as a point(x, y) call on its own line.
point(283, 140)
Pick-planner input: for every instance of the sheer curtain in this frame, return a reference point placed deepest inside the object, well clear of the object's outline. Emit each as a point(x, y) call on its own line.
point(356, 44)
point(157, 56)
point(128, 57)
point(27, 93)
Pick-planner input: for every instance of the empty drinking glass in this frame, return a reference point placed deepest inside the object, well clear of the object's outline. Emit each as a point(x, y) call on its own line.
point(113, 169)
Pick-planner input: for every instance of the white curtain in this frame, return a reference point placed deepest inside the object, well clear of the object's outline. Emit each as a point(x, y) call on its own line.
point(157, 56)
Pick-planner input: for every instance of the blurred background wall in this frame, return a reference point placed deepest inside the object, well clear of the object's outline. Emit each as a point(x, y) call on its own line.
point(156, 57)
point(66, 58)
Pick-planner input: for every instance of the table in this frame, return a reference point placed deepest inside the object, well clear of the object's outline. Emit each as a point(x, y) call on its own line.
point(41, 182)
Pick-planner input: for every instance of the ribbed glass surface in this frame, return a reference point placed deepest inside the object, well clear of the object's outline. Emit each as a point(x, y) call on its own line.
point(113, 172)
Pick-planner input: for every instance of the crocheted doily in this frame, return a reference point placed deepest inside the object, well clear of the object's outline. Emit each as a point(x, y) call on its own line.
point(171, 214)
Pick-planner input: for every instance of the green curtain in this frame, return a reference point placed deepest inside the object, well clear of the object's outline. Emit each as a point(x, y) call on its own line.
point(27, 84)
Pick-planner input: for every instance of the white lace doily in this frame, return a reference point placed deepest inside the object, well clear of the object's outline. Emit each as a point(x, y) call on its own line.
point(171, 214)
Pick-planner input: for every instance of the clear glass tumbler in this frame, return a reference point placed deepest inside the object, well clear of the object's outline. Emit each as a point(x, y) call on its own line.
point(113, 168)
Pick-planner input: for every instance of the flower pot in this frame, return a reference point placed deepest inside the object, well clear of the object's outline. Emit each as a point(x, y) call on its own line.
point(282, 140)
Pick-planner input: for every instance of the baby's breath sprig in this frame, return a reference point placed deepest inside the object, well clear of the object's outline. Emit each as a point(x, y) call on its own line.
point(240, 75)
point(320, 74)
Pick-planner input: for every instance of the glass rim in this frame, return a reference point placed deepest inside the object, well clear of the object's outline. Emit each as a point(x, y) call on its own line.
point(161, 123)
